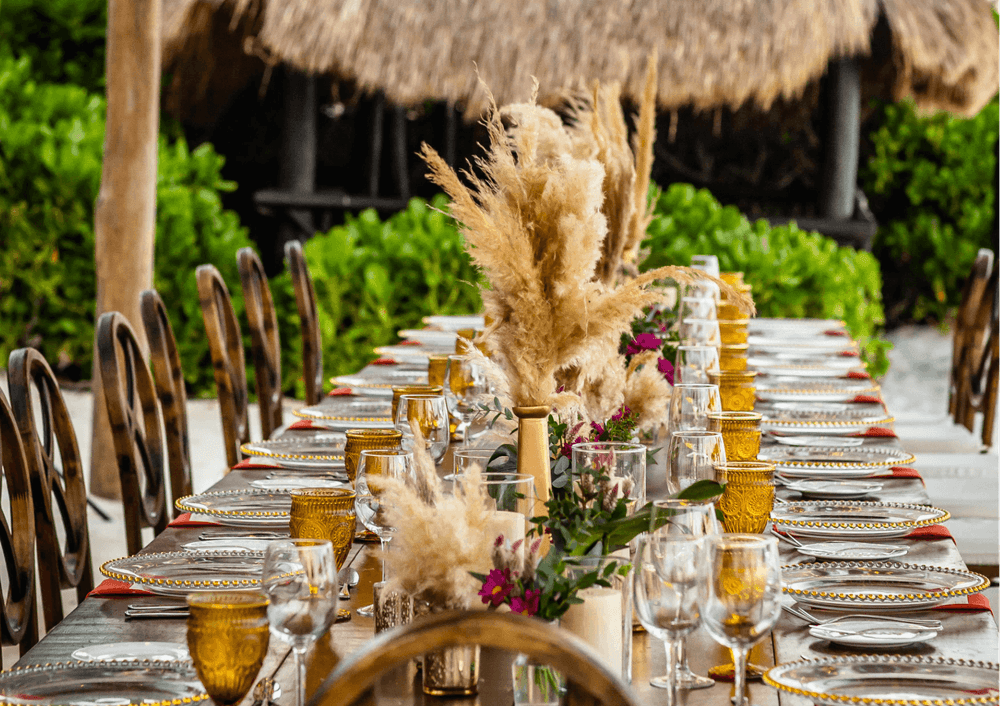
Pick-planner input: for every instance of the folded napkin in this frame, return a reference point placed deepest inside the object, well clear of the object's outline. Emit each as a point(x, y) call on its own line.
point(384, 361)
point(876, 433)
point(848, 354)
point(304, 424)
point(858, 375)
point(184, 520)
point(835, 332)
point(900, 472)
point(113, 588)
point(930, 532)
point(340, 392)
point(408, 342)
point(868, 399)
point(247, 465)
point(977, 603)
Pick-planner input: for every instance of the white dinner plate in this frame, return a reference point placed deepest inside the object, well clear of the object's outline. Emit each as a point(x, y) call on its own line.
point(872, 632)
point(852, 551)
point(127, 651)
point(836, 489)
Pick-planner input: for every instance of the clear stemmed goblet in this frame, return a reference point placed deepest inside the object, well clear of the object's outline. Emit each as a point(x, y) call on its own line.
point(742, 598)
point(697, 307)
point(429, 414)
point(300, 580)
point(700, 332)
point(690, 404)
point(227, 635)
point(667, 590)
point(693, 363)
point(693, 455)
point(372, 465)
point(466, 383)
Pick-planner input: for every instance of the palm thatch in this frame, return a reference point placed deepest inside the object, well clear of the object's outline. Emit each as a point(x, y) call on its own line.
point(711, 52)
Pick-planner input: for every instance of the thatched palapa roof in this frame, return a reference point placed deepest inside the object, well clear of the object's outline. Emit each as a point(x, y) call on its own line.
point(711, 52)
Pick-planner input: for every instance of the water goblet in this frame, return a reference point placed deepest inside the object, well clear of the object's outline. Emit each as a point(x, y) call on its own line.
point(466, 383)
point(700, 332)
point(700, 307)
point(429, 415)
point(742, 597)
point(690, 405)
point(703, 288)
point(300, 580)
point(227, 636)
point(693, 364)
point(709, 264)
point(464, 457)
point(693, 455)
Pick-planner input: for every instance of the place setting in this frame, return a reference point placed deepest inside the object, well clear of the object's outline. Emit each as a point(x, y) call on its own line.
point(353, 413)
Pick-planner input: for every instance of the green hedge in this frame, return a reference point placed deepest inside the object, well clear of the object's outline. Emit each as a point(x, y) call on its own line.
point(794, 273)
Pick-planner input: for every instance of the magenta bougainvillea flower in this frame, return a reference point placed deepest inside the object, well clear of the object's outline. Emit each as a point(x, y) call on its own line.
point(643, 342)
point(667, 368)
point(497, 587)
point(526, 605)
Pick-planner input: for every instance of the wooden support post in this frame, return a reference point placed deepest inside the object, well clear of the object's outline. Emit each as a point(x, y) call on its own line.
point(840, 168)
point(125, 212)
point(297, 168)
point(450, 133)
point(399, 151)
point(375, 161)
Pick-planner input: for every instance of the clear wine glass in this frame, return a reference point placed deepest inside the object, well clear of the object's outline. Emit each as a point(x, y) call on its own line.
point(667, 590)
point(709, 264)
point(466, 383)
point(690, 404)
point(742, 597)
point(429, 414)
point(693, 364)
point(372, 465)
point(693, 455)
point(700, 332)
point(300, 580)
point(697, 307)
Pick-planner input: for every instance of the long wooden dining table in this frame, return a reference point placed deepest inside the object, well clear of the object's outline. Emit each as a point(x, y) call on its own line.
point(967, 634)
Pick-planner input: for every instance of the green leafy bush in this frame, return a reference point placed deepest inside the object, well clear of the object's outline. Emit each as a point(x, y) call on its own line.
point(375, 277)
point(794, 273)
point(931, 181)
point(51, 139)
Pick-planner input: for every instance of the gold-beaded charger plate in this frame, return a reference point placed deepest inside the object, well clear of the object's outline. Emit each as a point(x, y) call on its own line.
point(455, 323)
point(302, 452)
point(852, 551)
point(853, 519)
point(783, 368)
point(349, 414)
point(834, 458)
point(181, 573)
point(796, 325)
point(818, 441)
point(135, 681)
point(787, 341)
point(247, 544)
point(889, 680)
point(888, 585)
point(128, 651)
point(378, 380)
point(783, 388)
point(287, 485)
point(834, 489)
point(409, 355)
point(240, 508)
point(432, 338)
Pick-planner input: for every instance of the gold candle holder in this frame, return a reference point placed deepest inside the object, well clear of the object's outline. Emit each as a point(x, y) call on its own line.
point(748, 499)
point(733, 331)
point(740, 433)
point(324, 513)
point(400, 390)
point(737, 389)
point(437, 369)
point(359, 440)
point(228, 636)
point(733, 356)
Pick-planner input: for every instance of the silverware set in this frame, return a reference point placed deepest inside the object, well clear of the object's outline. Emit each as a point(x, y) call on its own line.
point(802, 614)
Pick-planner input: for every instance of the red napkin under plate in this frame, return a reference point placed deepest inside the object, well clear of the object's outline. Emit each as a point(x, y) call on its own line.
point(867, 399)
point(247, 465)
point(835, 332)
point(340, 392)
point(930, 532)
point(409, 343)
point(384, 361)
point(876, 433)
point(184, 520)
point(976, 603)
point(113, 588)
point(848, 354)
point(303, 424)
point(858, 375)
point(900, 472)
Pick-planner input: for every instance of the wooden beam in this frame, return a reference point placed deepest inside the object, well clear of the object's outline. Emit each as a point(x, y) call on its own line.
point(375, 159)
point(297, 169)
point(840, 167)
point(125, 212)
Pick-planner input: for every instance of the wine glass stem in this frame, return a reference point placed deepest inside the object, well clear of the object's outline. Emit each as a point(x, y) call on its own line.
point(385, 546)
point(670, 646)
point(299, 654)
point(740, 675)
point(467, 423)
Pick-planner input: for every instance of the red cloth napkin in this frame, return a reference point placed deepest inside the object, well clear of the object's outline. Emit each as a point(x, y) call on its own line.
point(113, 588)
point(901, 472)
point(409, 343)
point(184, 520)
point(867, 399)
point(876, 433)
point(339, 392)
point(247, 465)
point(977, 603)
point(384, 361)
point(835, 332)
point(858, 375)
point(930, 532)
point(303, 424)
point(848, 354)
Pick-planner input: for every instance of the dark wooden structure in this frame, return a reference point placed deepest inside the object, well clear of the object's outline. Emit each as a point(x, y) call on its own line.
point(305, 302)
point(134, 415)
point(266, 345)
point(58, 491)
point(169, 378)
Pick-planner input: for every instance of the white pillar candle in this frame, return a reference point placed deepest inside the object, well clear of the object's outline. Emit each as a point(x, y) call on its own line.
point(506, 523)
point(598, 621)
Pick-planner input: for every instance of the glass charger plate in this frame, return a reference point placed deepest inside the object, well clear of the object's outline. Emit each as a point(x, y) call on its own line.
point(431, 337)
point(180, 573)
point(287, 485)
point(349, 414)
point(852, 551)
point(319, 451)
point(872, 632)
point(808, 341)
point(817, 441)
point(835, 457)
point(853, 519)
point(768, 366)
point(821, 412)
point(382, 377)
point(137, 681)
point(826, 428)
point(130, 651)
point(886, 585)
point(889, 680)
point(455, 323)
point(834, 489)
point(798, 324)
point(246, 544)
point(409, 355)
point(828, 359)
point(240, 508)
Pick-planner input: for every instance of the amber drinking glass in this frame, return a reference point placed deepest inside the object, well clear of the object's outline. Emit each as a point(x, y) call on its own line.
point(427, 414)
point(740, 433)
point(227, 635)
point(738, 391)
point(466, 383)
point(325, 513)
point(400, 390)
point(733, 356)
point(359, 440)
point(437, 369)
point(748, 499)
point(730, 312)
point(732, 331)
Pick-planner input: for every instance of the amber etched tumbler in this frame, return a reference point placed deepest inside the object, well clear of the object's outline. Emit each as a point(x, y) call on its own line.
point(737, 389)
point(437, 369)
point(359, 440)
point(748, 499)
point(400, 390)
point(733, 356)
point(325, 513)
point(740, 433)
point(733, 331)
point(227, 635)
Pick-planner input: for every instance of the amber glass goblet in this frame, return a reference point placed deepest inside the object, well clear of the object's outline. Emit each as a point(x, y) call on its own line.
point(748, 499)
point(400, 390)
point(437, 369)
point(359, 440)
point(733, 356)
point(740, 433)
point(227, 635)
point(737, 389)
point(733, 331)
point(325, 513)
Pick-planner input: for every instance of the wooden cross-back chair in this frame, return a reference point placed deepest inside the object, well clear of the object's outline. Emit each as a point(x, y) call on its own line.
point(134, 416)
point(266, 345)
point(169, 378)
point(589, 682)
point(225, 342)
point(58, 490)
point(19, 624)
point(305, 301)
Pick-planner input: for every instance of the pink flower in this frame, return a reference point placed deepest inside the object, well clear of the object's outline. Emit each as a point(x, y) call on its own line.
point(597, 427)
point(567, 448)
point(643, 342)
point(528, 605)
point(621, 413)
point(667, 368)
point(497, 587)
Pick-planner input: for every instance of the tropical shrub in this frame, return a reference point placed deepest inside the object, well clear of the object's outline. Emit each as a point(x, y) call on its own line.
point(794, 273)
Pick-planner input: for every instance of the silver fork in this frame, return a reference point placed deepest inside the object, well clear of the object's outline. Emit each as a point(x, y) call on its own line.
point(801, 613)
point(786, 537)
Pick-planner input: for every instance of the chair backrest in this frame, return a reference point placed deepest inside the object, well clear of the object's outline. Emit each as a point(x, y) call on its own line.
point(19, 624)
point(55, 472)
point(169, 378)
point(588, 680)
point(966, 328)
point(305, 301)
point(266, 345)
point(976, 390)
point(225, 342)
point(134, 416)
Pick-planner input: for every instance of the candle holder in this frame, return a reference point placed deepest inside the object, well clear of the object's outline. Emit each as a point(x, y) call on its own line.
point(748, 499)
point(733, 357)
point(737, 389)
point(400, 390)
point(740, 433)
point(623, 463)
point(733, 331)
point(359, 440)
point(392, 608)
point(509, 499)
point(604, 619)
